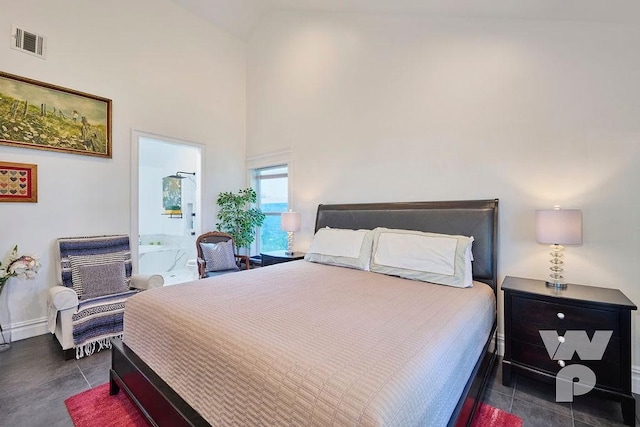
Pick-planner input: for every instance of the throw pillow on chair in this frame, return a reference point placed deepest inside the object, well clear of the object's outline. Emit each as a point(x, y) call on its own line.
point(219, 256)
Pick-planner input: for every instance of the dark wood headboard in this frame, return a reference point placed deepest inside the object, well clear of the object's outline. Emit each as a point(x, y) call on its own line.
point(477, 218)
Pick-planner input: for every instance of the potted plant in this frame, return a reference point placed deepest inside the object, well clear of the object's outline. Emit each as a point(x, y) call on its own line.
point(237, 217)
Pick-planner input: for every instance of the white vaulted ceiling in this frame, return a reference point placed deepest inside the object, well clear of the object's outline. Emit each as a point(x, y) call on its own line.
point(238, 17)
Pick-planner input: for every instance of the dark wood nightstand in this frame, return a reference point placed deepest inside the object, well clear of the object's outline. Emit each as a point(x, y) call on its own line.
point(276, 257)
point(530, 306)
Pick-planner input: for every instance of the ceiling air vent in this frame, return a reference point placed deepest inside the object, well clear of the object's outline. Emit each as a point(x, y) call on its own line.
point(28, 42)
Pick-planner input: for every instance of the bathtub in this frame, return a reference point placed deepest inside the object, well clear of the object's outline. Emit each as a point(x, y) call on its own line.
point(170, 261)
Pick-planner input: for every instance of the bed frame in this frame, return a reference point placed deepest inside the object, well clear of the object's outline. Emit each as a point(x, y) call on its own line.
point(478, 218)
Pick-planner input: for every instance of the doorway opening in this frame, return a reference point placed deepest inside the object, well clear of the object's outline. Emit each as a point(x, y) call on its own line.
point(168, 200)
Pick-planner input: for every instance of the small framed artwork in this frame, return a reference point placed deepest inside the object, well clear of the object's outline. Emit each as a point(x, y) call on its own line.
point(172, 196)
point(39, 115)
point(18, 182)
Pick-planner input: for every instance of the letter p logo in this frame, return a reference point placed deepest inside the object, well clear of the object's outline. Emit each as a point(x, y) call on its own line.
point(567, 387)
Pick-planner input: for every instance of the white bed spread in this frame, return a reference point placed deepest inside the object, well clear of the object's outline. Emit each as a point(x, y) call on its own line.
point(308, 344)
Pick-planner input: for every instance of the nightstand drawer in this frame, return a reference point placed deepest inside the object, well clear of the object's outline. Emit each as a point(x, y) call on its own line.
point(533, 356)
point(607, 370)
point(530, 313)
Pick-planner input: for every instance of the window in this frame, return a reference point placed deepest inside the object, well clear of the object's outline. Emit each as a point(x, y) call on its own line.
point(272, 186)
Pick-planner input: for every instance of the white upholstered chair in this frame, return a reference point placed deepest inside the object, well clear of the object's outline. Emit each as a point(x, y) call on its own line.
point(85, 309)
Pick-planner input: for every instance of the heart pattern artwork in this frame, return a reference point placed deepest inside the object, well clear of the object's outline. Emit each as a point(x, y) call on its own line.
point(15, 183)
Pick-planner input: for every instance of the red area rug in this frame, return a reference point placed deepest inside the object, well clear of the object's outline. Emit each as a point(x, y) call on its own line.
point(488, 416)
point(93, 408)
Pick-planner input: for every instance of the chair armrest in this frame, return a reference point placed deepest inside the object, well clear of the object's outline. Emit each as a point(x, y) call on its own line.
point(244, 258)
point(63, 298)
point(144, 282)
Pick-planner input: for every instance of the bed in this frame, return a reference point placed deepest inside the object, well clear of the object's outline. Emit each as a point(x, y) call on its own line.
point(304, 343)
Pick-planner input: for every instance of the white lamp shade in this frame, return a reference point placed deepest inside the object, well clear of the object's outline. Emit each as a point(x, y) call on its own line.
point(559, 226)
point(290, 221)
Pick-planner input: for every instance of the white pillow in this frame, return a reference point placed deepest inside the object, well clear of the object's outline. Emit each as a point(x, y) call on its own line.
point(468, 268)
point(429, 257)
point(343, 248)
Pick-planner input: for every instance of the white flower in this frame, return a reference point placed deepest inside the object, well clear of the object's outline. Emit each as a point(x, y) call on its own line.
point(25, 266)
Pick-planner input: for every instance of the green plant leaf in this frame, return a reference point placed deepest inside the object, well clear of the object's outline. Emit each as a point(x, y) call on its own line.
point(237, 217)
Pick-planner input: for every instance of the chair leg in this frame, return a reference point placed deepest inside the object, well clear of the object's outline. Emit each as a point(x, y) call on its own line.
point(69, 353)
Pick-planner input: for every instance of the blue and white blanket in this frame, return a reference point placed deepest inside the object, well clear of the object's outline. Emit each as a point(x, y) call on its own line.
point(97, 321)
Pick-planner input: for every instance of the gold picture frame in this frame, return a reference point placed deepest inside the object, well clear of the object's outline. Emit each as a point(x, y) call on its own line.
point(43, 116)
point(18, 182)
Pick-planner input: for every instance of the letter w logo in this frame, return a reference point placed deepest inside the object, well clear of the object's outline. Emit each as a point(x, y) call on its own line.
point(563, 348)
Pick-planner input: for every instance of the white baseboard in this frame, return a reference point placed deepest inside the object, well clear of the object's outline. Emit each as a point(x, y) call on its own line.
point(500, 344)
point(635, 379)
point(28, 329)
point(635, 370)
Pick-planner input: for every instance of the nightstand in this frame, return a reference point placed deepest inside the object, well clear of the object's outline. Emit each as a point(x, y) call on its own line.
point(530, 306)
point(276, 257)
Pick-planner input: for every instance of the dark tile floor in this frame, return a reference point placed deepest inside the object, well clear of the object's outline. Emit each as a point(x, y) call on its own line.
point(35, 381)
point(534, 402)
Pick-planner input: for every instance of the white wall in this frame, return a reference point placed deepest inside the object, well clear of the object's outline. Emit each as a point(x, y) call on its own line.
point(535, 113)
point(167, 73)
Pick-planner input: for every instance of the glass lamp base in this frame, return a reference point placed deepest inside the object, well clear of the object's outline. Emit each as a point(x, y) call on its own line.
point(556, 285)
point(289, 250)
point(557, 280)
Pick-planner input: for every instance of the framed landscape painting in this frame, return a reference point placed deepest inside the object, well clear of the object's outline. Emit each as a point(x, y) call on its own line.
point(39, 115)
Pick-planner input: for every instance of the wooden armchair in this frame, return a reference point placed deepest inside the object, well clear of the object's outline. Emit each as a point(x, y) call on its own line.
point(217, 255)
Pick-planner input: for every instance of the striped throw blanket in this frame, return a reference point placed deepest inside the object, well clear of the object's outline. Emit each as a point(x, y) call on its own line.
point(98, 246)
point(100, 318)
point(97, 321)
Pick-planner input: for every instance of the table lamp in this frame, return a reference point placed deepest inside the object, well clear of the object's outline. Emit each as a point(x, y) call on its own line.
point(290, 222)
point(558, 227)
